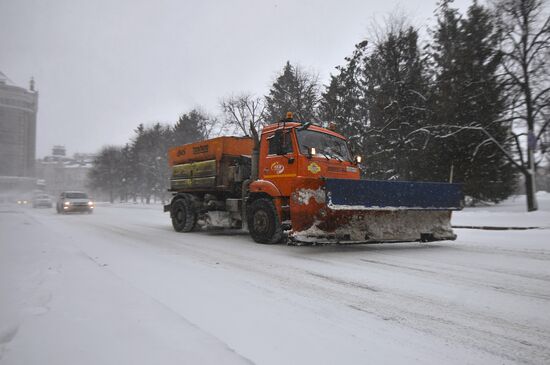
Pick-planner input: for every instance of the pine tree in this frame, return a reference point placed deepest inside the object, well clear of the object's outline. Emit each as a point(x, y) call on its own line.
point(490, 175)
point(150, 151)
point(190, 127)
point(443, 95)
point(467, 96)
point(343, 101)
point(294, 90)
point(396, 86)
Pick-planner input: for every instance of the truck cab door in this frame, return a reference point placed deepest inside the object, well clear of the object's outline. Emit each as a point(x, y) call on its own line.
point(278, 160)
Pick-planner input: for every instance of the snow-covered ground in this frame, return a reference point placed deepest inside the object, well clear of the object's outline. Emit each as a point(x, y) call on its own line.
point(510, 213)
point(121, 287)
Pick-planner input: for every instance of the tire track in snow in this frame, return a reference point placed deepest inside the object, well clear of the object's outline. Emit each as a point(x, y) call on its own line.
point(451, 275)
point(486, 333)
point(507, 340)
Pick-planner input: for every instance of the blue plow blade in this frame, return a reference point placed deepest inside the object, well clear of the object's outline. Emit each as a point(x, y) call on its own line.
point(392, 195)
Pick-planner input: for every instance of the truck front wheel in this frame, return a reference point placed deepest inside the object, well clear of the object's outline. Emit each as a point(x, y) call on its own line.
point(183, 216)
point(263, 222)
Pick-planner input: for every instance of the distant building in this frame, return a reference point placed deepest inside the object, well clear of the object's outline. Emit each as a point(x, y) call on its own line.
point(18, 107)
point(58, 151)
point(61, 173)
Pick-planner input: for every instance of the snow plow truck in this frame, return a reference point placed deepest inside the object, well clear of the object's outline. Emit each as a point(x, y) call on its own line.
point(298, 181)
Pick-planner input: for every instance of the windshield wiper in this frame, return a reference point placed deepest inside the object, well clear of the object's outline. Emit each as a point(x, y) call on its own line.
point(335, 155)
point(324, 154)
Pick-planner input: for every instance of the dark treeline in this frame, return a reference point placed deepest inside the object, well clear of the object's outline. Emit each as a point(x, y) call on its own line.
point(139, 170)
point(470, 104)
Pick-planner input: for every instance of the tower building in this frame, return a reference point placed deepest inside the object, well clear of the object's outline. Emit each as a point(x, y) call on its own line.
point(18, 107)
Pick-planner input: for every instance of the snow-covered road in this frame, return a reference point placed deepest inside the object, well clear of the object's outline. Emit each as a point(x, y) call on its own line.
point(121, 287)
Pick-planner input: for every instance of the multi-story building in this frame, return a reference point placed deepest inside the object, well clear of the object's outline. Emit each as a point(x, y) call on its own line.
point(18, 107)
point(60, 173)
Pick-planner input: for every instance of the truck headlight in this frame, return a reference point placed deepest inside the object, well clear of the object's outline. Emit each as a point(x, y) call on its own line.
point(91, 204)
point(67, 203)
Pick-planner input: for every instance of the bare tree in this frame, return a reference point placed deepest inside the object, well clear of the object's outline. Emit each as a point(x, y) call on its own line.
point(243, 111)
point(525, 28)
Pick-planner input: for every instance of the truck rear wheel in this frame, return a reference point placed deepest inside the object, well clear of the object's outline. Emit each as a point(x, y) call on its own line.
point(183, 216)
point(263, 222)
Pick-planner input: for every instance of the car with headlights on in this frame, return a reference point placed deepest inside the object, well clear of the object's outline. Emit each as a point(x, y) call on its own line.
point(74, 201)
point(42, 201)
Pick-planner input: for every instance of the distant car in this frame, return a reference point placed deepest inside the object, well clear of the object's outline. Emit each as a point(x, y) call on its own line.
point(42, 201)
point(74, 201)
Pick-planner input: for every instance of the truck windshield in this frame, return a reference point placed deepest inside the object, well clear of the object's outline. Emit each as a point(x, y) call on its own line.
point(325, 144)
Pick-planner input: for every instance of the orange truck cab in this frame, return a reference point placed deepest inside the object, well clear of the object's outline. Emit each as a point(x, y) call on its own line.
point(306, 183)
point(286, 155)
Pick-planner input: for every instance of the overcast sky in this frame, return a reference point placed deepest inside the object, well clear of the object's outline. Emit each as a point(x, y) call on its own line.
point(104, 66)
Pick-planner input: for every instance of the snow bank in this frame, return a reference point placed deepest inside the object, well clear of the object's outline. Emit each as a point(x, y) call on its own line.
point(510, 213)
